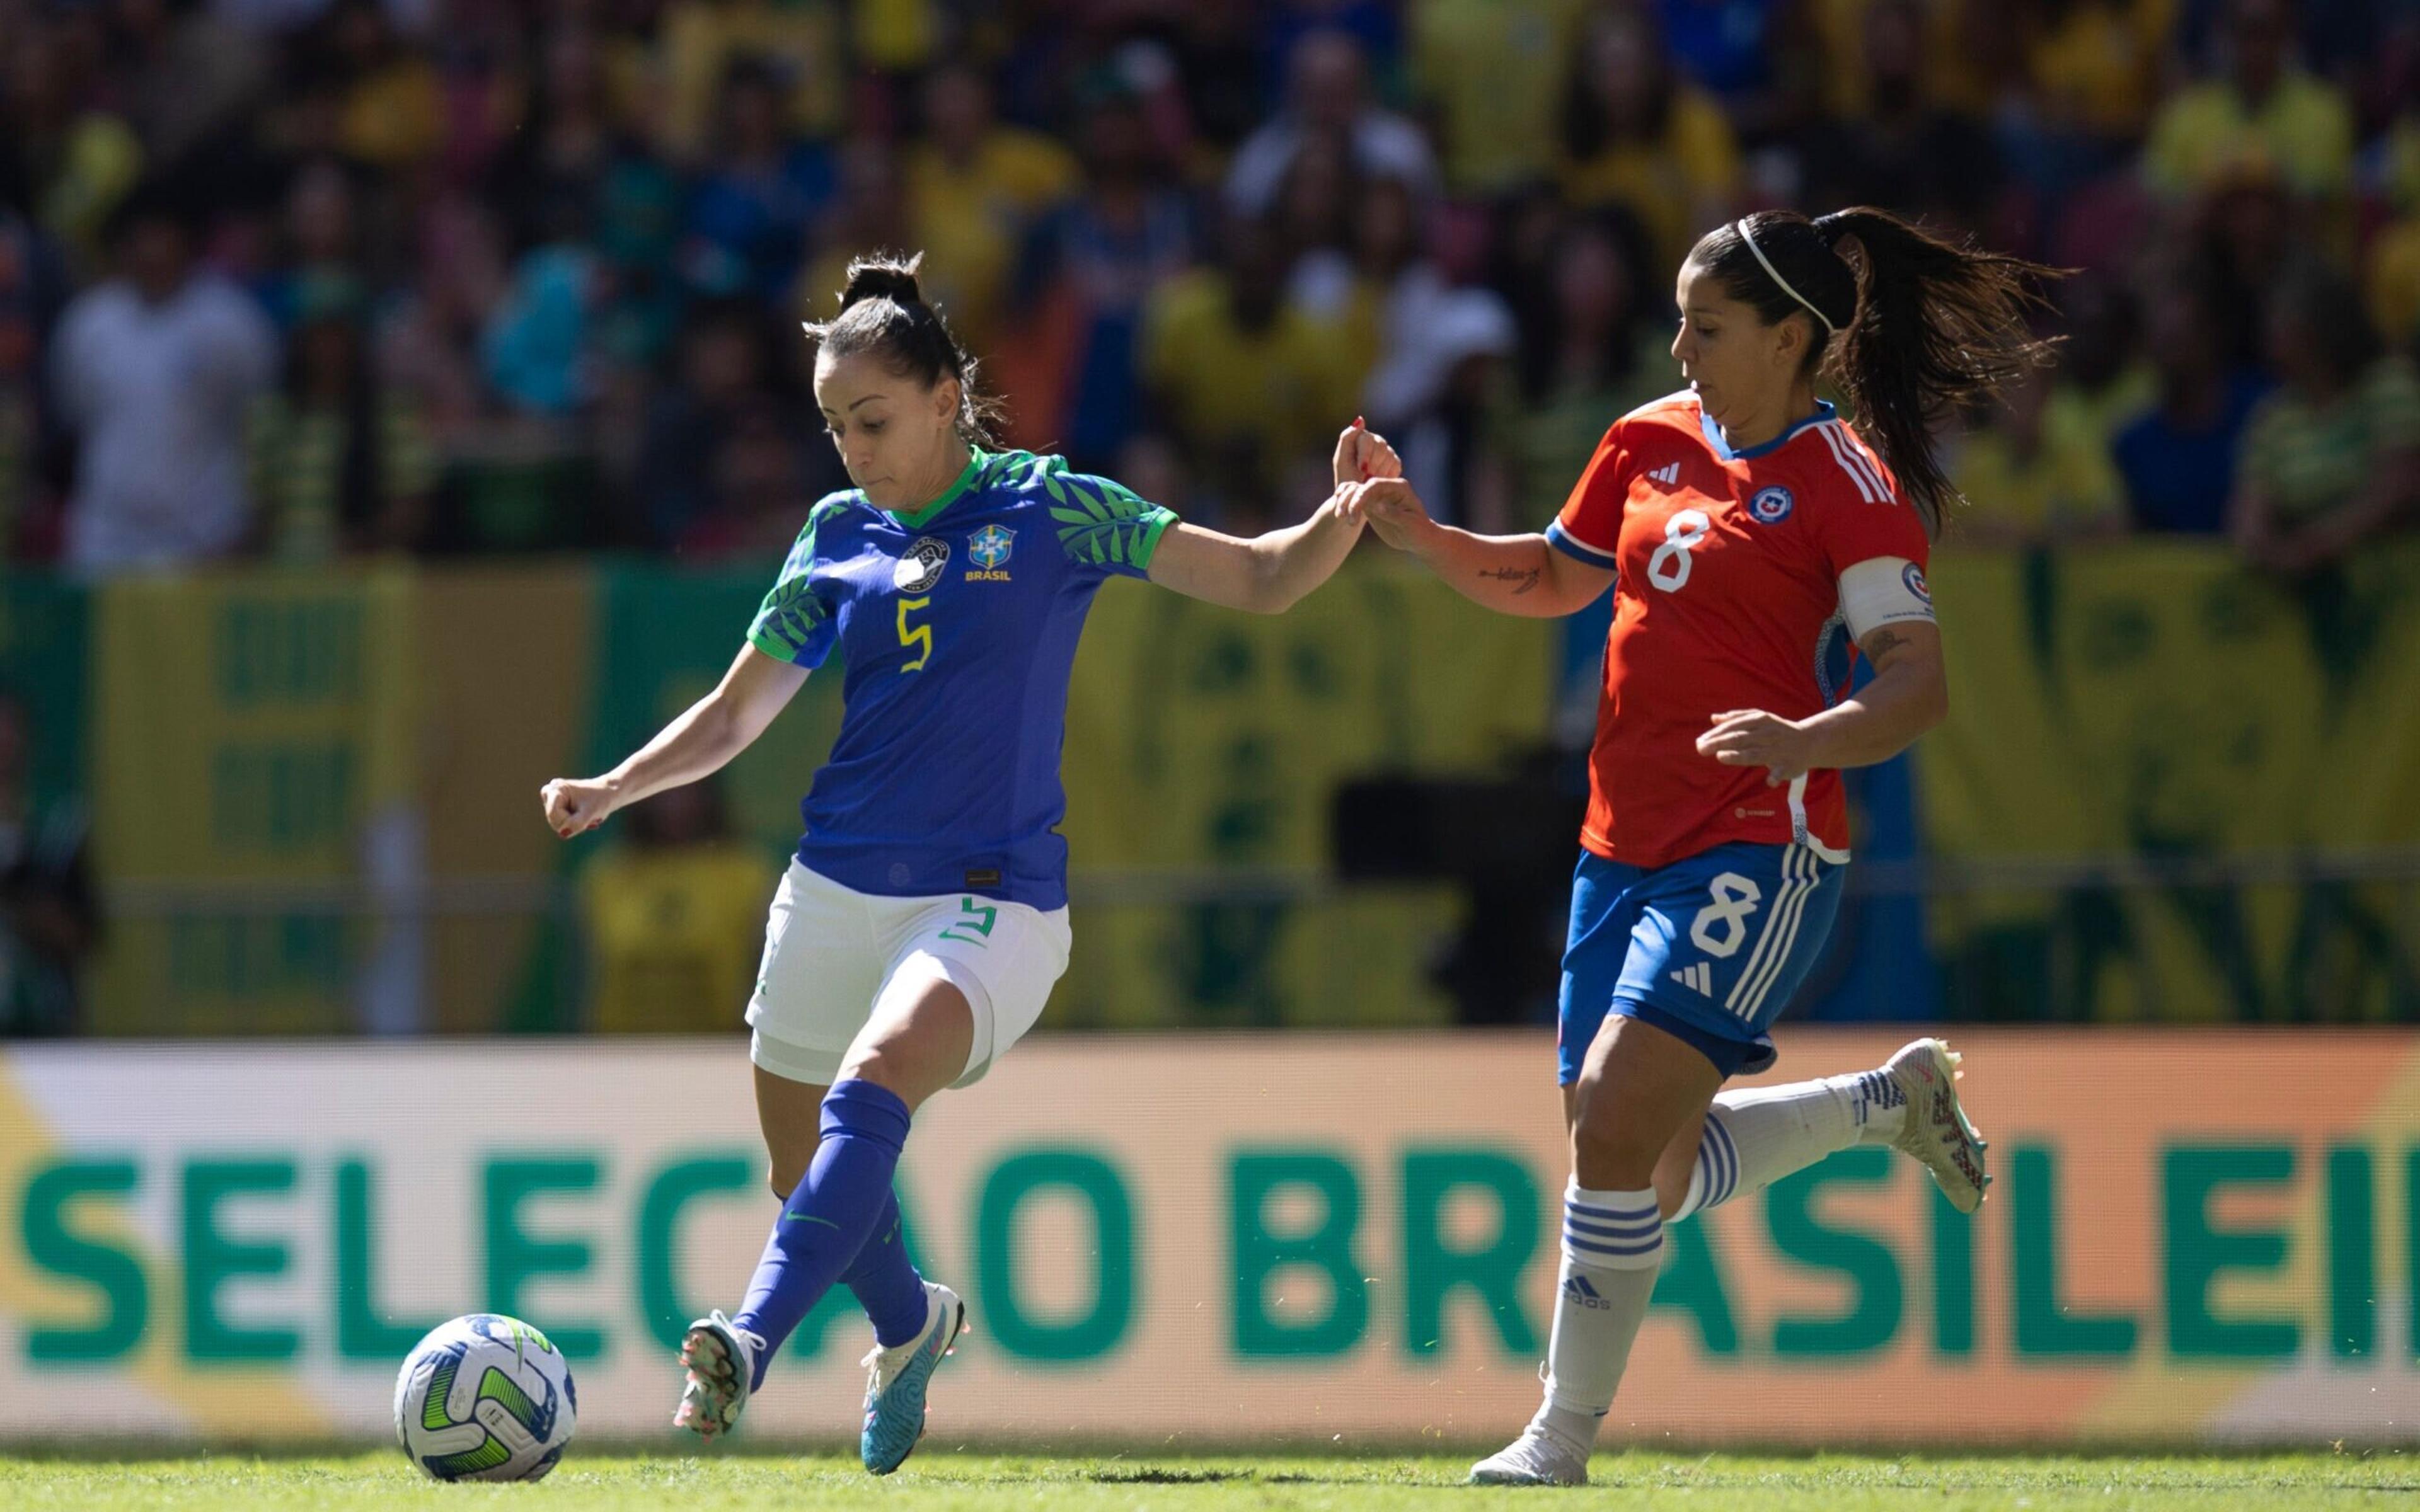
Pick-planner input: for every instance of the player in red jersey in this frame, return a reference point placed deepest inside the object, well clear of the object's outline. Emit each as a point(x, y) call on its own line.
point(1747, 533)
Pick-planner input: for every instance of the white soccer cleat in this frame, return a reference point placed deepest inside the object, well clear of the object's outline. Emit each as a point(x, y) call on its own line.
point(721, 1357)
point(1539, 1456)
point(1935, 1130)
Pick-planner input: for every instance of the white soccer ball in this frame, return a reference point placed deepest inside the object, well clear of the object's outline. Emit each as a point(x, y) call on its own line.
point(484, 1398)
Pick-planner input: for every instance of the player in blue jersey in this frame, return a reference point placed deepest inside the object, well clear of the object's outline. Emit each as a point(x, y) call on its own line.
point(919, 931)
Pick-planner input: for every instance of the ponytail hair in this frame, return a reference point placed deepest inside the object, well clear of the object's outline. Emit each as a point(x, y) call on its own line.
point(882, 312)
point(1914, 327)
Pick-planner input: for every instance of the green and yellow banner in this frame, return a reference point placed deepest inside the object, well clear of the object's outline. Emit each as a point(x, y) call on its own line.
point(1300, 1239)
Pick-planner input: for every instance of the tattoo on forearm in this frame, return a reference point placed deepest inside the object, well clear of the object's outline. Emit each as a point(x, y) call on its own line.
point(1881, 643)
point(1525, 577)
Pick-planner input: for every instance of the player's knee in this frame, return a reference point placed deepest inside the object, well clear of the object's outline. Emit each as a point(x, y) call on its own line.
point(1609, 1152)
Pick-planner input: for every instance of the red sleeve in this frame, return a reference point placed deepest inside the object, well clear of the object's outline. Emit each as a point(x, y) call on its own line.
point(1589, 526)
point(1864, 515)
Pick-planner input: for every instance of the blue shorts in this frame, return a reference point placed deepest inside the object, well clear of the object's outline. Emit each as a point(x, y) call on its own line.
point(1710, 948)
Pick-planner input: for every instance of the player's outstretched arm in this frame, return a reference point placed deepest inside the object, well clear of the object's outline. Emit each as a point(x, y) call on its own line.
point(1509, 573)
point(706, 736)
point(1266, 575)
point(1272, 573)
point(1909, 694)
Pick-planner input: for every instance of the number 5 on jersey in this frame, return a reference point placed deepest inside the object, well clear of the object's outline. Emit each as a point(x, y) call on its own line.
point(1669, 568)
point(916, 638)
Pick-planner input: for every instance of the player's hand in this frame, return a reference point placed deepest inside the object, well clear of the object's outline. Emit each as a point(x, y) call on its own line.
point(1751, 737)
point(1392, 509)
point(1362, 454)
point(574, 806)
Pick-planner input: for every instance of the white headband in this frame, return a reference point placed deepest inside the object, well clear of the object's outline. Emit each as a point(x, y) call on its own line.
point(1774, 273)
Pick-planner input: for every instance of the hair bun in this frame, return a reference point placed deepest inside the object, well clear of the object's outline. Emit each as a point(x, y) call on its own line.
point(1831, 227)
point(883, 278)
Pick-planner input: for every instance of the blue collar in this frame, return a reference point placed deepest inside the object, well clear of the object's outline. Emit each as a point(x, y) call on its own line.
point(1824, 412)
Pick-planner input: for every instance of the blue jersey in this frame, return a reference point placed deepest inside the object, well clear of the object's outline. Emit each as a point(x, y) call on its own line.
point(957, 627)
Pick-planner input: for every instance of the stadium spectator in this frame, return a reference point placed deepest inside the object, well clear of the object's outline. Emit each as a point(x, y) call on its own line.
point(1244, 378)
point(50, 913)
point(155, 371)
point(802, 39)
point(723, 371)
point(1489, 72)
point(2333, 457)
point(338, 463)
point(2178, 457)
point(73, 159)
point(1327, 90)
point(1638, 134)
point(2261, 106)
point(1073, 371)
point(673, 917)
point(394, 110)
point(975, 188)
point(1590, 349)
point(1905, 151)
point(1433, 349)
point(750, 211)
point(2026, 483)
point(182, 76)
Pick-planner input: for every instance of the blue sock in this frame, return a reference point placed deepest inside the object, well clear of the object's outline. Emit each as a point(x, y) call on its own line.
point(831, 1216)
point(885, 1282)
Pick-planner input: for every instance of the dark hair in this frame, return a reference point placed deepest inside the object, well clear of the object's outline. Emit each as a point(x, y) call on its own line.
point(1586, 132)
point(883, 313)
point(1539, 310)
point(2330, 311)
point(1924, 324)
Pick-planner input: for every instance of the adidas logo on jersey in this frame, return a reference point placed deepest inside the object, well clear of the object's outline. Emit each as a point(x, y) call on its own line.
point(1668, 475)
point(1699, 978)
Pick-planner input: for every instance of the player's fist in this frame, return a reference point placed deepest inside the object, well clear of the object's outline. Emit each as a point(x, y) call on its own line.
point(1362, 453)
point(574, 806)
point(1392, 509)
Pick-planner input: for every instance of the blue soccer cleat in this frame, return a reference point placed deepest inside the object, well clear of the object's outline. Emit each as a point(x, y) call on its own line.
point(895, 1380)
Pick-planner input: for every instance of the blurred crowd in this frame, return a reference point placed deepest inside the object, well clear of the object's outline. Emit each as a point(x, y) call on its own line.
point(297, 278)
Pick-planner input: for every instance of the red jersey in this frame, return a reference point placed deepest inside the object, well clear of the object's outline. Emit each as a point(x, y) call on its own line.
point(1727, 598)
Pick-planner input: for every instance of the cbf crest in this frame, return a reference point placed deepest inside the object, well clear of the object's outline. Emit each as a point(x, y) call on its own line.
point(919, 569)
point(989, 548)
point(1771, 506)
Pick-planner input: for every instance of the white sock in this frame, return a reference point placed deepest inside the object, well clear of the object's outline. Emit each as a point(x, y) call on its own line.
point(1613, 1243)
point(1754, 1139)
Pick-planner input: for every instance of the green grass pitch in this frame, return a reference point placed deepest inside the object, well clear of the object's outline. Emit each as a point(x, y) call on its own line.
point(76, 1480)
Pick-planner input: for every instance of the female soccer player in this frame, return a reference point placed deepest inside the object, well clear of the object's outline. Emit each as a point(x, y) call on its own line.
point(917, 935)
point(1742, 526)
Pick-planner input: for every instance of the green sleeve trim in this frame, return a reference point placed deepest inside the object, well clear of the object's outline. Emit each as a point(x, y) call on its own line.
point(1156, 525)
point(772, 648)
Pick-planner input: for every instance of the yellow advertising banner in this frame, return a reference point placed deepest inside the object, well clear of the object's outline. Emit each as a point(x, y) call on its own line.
point(1214, 1239)
point(2167, 784)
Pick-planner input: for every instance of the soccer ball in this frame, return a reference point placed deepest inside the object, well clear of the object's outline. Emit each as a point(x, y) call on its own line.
point(484, 1398)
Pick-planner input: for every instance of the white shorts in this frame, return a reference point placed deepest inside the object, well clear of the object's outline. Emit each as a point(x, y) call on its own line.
point(831, 953)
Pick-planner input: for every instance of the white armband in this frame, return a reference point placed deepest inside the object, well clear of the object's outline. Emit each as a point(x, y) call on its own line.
point(1883, 591)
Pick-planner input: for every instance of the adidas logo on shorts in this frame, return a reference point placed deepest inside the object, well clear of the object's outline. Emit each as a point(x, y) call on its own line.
point(1699, 978)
